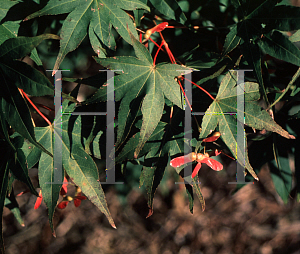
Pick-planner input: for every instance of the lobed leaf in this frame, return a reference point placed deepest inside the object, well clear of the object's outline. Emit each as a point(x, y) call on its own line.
point(223, 110)
point(171, 9)
point(83, 171)
point(15, 48)
point(98, 15)
point(141, 79)
point(75, 161)
point(280, 47)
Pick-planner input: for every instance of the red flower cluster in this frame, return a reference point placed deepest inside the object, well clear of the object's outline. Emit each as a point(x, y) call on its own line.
point(200, 158)
point(77, 199)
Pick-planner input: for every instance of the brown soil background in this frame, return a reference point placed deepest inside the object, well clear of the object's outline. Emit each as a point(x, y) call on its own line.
point(254, 220)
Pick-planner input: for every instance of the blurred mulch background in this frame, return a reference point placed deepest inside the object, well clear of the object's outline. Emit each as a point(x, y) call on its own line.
point(254, 220)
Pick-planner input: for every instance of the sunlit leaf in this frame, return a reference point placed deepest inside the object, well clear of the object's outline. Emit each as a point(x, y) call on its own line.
point(223, 112)
point(148, 88)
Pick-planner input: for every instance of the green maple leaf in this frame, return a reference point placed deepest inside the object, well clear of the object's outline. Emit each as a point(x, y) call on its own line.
point(166, 140)
point(142, 84)
point(226, 102)
point(257, 30)
point(96, 15)
point(8, 30)
point(171, 9)
point(75, 160)
point(15, 74)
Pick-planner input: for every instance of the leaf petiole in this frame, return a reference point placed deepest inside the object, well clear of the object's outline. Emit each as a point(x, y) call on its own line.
point(40, 113)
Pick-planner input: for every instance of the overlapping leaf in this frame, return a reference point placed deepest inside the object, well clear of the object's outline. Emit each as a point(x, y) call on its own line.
point(97, 15)
point(223, 112)
point(8, 29)
point(75, 161)
point(18, 166)
point(281, 172)
point(138, 14)
point(171, 9)
point(15, 74)
point(231, 42)
point(285, 18)
point(5, 6)
point(141, 84)
point(24, 76)
point(247, 30)
point(277, 45)
point(152, 176)
point(295, 37)
point(12, 204)
point(258, 20)
point(166, 140)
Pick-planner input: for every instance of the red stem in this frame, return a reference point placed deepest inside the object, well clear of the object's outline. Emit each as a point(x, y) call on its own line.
point(172, 58)
point(159, 48)
point(170, 54)
point(200, 88)
point(43, 106)
point(173, 61)
point(40, 113)
point(184, 95)
point(154, 42)
point(227, 155)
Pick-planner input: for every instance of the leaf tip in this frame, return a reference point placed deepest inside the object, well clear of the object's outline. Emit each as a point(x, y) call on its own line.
point(292, 136)
point(150, 213)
